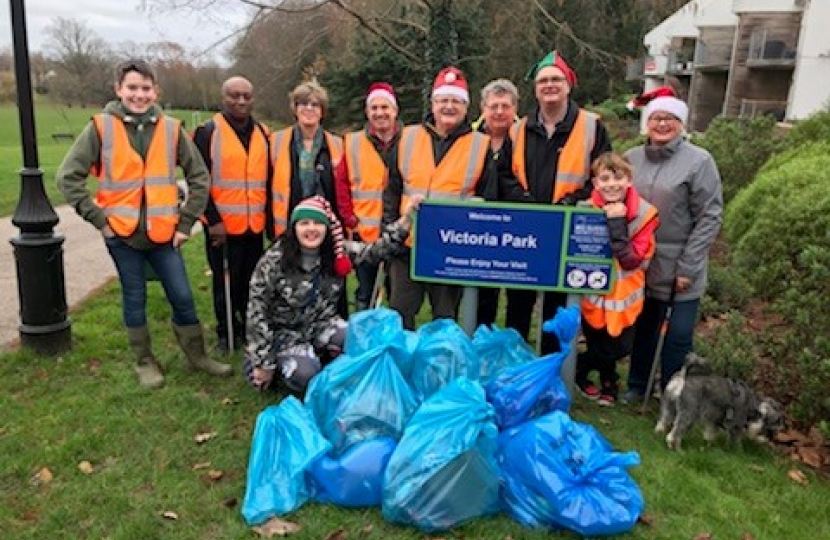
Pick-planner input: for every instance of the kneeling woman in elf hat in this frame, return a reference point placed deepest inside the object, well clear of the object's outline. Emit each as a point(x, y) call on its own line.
point(292, 306)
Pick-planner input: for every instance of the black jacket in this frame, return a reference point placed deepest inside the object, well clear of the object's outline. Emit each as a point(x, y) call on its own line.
point(542, 158)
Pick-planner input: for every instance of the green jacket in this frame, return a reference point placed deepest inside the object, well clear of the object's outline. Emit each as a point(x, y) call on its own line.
point(86, 151)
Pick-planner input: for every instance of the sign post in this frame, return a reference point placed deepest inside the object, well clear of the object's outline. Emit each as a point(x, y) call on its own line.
point(538, 247)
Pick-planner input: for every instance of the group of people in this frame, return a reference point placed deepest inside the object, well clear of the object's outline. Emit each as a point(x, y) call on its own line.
point(329, 204)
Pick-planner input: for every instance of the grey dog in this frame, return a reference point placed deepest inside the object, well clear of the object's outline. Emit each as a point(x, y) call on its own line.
point(694, 394)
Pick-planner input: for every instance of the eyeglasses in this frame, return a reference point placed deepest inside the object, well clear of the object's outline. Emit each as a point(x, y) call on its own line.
point(495, 107)
point(443, 101)
point(668, 119)
point(308, 104)
point(555, 79)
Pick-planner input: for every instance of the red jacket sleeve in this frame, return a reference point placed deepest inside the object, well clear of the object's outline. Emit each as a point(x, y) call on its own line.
point(343, 195)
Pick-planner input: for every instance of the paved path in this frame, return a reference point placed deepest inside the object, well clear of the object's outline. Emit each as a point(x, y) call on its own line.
point(87, 267)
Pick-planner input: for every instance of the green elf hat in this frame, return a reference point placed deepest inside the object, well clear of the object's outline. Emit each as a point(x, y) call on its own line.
point(553, 59)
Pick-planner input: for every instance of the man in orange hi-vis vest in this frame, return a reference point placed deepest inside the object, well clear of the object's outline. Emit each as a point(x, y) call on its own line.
point(369, 157)
point(235, 149)
point(442, 158)
point(133, 150)
point(551, 152)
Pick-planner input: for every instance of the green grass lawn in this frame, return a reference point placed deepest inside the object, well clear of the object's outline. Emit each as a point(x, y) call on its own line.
point(49, 119)
point(85, 406)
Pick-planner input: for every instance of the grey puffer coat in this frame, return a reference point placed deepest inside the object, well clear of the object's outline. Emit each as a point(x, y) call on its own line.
point(683, 182)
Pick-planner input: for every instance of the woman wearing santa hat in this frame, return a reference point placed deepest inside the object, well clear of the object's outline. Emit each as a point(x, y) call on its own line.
point(683, 182)
point(293, 323)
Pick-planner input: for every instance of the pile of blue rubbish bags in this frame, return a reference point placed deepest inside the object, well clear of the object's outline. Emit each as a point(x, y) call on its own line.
point(436, 429)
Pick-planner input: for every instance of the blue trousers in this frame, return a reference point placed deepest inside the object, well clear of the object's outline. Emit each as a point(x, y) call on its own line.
point(168, 265)
point(679, 341)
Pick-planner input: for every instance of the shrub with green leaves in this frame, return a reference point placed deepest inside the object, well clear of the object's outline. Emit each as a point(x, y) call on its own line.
point(779, 230)
point(816, 128)
point(731, 352)
point(728, 290)
point(740, 147)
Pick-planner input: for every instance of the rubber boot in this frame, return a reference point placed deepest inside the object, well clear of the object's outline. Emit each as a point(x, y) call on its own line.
point(147, 367)
point(192, 341)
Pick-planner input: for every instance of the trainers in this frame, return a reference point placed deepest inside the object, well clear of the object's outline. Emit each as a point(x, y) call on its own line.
point(608, 394)
point(588, 390)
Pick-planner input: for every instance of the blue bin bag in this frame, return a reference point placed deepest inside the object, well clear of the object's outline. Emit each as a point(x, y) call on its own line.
point(354, 479)
point(558, 473)
point(372, 328)
point(444, 470)
point(286, 442)
point(498, 349)
point(360, 398)
point(443, 354)
point(527, 391)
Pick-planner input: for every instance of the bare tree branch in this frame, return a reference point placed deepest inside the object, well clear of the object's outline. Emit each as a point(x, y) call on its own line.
point(374, 30)
point(591, 50)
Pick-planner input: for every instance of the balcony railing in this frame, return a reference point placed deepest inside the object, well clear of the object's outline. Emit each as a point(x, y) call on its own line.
point(771, 48)
point(758, 107)
point(680, 62)
point(714, 56)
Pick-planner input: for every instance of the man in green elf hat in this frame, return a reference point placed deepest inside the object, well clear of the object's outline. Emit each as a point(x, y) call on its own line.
point(551, 154)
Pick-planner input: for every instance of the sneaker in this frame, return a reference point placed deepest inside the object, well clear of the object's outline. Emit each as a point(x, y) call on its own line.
point(608, 394)
point(588, 390)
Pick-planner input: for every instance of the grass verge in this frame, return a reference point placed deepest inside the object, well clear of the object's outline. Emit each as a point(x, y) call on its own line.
point(144, 460)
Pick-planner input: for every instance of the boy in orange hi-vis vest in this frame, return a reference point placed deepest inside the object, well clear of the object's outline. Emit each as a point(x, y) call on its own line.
point(608, 321)
point(134, 150)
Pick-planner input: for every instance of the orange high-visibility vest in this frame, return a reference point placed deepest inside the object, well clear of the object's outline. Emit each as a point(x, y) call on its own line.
point(573, 167)
point(125, 178)
point(455, 177)
point(368, 177)
point(618, 310)
point(281, 180)
point(238, 177)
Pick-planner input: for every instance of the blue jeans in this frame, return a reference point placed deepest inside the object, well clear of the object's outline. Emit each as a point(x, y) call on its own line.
point(168, 265)
point(679, 341)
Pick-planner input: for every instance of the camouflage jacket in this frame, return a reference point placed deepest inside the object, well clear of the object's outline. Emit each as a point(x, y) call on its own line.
point(285, 310)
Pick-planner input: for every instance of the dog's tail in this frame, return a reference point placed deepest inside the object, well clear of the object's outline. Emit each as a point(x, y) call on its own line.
point(696, 365)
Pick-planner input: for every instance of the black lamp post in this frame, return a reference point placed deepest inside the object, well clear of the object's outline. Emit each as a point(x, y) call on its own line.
point(38, 250)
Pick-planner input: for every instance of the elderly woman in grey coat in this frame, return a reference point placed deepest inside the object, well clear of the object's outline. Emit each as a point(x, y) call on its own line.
point(683, 182)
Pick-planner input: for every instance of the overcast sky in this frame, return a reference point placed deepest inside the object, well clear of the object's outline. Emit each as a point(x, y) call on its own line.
point(117, 21)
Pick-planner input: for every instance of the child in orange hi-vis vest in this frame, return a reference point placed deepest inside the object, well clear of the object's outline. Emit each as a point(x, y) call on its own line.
point(608, 321)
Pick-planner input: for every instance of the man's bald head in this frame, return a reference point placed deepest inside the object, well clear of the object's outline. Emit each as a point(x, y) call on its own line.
point(238, 98)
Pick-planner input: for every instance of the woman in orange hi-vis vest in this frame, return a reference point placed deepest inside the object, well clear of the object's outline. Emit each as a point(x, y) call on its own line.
point(608, 320)
point(133, 150)
point(303, 157)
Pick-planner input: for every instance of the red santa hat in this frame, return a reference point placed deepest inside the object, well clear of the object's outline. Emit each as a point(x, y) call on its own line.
point(643, 99)
point(451, 82)
point(319, 209)
point(381, 90)
point(669, 104)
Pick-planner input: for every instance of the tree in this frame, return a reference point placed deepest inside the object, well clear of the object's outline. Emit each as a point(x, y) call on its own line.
point(82, 63)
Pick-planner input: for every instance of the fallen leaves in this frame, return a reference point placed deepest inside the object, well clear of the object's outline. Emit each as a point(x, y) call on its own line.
point(798, 477)
point(201, 465)
point(42, 477)
point(214, 475)
point(204, 437)
point(173, 516)
point(646, 519)
point(703, 536)
point(86, 467)
point(338, 534)
point(230, 503)
point(276, 527)
point(808, 448)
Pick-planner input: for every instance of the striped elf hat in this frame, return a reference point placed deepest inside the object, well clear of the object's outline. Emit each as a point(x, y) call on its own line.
point(319, 209)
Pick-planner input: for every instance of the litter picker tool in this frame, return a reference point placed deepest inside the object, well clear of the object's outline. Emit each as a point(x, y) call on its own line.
point(226, 276)
point(658, 351)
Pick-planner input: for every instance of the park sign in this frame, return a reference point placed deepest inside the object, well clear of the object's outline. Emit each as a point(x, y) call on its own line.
point(532, 246)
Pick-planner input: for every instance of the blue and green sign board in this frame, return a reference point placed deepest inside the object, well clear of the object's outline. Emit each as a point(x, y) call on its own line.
point(540, 247)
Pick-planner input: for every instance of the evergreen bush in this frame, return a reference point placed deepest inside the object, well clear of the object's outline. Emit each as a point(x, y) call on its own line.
point(779, 230)
point(740, 147)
